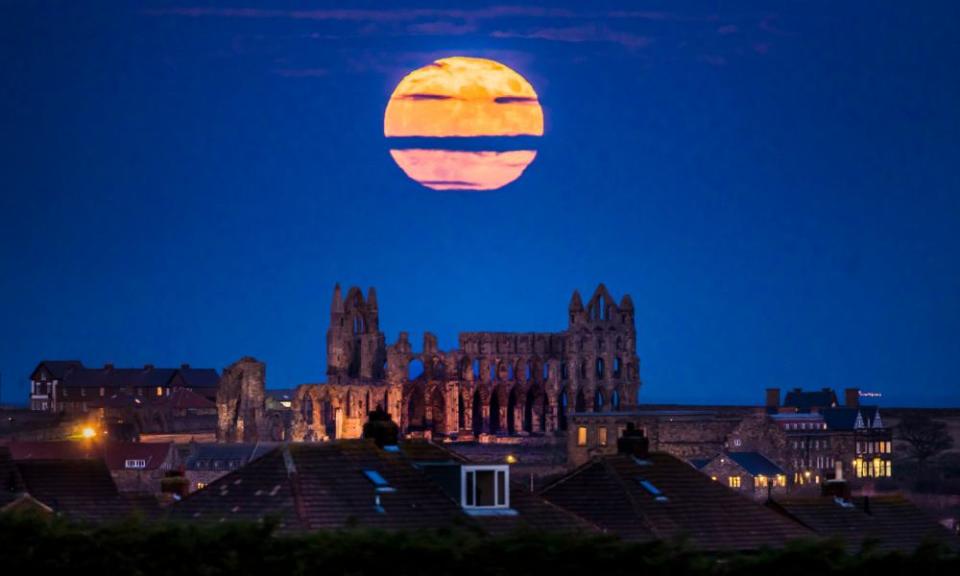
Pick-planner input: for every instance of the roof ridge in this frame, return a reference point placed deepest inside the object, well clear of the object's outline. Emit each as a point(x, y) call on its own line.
point(633, 501)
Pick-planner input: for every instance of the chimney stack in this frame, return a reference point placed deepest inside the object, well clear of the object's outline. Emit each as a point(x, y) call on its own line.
point(108, 366)
point(148, 367)
point(633, 443)
point(773, 397)
point(184, 366)
point(852, 397)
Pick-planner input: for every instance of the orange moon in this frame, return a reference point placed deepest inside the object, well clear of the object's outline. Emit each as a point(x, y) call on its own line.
point(462, 97)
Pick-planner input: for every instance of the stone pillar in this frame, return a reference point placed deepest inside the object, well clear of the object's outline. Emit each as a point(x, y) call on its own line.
point(467, 408)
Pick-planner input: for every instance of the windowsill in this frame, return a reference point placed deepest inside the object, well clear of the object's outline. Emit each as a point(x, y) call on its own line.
point(490, 511)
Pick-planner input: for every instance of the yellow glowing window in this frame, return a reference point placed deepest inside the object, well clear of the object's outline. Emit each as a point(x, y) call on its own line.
point(201, 485)
point(780, 481)
point(581, 435)
point(734, 481)
point(159, 390)
point(603, 436)
point(761, 481)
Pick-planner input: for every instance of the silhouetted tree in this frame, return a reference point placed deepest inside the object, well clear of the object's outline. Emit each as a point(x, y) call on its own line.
point(925, 436)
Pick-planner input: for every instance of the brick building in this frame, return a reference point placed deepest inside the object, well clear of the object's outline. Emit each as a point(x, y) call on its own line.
point(67, 386)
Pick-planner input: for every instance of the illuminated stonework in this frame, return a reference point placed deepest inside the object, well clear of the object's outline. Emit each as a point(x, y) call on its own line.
point(494, 383)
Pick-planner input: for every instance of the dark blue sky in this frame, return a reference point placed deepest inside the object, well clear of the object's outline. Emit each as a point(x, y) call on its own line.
point(778, 190)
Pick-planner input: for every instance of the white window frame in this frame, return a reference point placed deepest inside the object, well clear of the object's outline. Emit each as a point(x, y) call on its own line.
point(497, 469)
point(135, 463)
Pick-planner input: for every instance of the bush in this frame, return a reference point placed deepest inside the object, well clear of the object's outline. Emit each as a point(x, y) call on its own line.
point(42, 545)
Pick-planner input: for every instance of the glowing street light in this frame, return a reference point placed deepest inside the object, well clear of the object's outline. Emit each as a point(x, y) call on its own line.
point(88, 432)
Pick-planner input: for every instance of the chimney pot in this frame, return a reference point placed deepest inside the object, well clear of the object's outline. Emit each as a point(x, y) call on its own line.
point(773, 397)
point(184, 366)
point(108, 366)
point(633, 443)
point(148, 366)
point(852, 397)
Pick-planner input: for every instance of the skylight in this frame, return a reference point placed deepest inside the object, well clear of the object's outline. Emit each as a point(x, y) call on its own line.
point(653, 490)
point(378, 480)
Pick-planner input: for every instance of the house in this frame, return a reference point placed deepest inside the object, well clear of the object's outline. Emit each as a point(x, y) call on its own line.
point(750, 473)
point(81, 489)
point(69, 386)
point(205, 462)
point(354, 483)
point(134, 466)
point(885, 523)
point(819, 434)
point(139, 466)
point(129, 416)
point(645, 496)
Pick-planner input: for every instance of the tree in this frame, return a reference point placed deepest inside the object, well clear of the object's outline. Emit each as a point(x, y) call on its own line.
point(926, 437)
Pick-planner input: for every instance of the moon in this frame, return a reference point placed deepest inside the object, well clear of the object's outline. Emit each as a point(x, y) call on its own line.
point(461, 98)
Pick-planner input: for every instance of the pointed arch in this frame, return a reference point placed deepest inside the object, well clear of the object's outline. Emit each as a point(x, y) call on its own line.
point(416, 409)
point(477, 411)
point(563, 407)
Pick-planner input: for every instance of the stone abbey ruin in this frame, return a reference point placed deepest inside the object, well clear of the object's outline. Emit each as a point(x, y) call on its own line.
point(493, 383)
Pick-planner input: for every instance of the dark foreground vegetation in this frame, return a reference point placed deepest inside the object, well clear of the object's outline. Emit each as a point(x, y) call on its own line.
point(42, 546)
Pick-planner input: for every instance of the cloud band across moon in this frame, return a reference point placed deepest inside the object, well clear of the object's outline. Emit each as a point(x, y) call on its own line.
point(452, 101)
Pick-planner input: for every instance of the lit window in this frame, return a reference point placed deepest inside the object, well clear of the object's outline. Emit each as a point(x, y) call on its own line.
point(201, 485)
point(581, 435)
point(780, 481)
point(761, 481)
point(485, 487)
point(134, 463)
point(736, 442)
point(734, 481)
point(603, 435)
point(159, 390)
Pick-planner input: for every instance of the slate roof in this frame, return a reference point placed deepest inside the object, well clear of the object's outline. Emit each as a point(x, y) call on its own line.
point(806, 400)
point(54, 450)
point(846, 418)
point(202, 454)
point(323, 486)
point(607, 492)
point(116, 454)
point(893, 522)
point(755, 463)
point(11, 484)
point(200, 377)
point(59, 368)
point(81, 489)
point(185, 399)
point(74, 374)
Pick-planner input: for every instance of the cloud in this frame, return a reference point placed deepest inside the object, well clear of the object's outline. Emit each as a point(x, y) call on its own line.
point(583, 33)
point(441, 28)
point(365, 15)
point(301, 72)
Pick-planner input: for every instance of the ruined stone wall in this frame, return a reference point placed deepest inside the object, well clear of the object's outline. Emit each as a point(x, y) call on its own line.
point(494, 383)
point(240, 402)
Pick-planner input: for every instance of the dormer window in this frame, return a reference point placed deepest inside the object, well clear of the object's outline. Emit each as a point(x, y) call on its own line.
point(485, 488)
